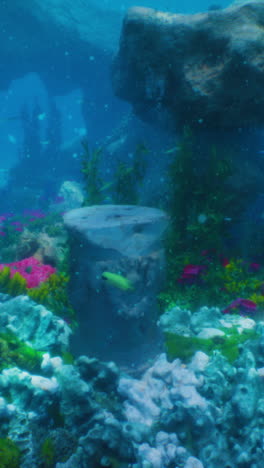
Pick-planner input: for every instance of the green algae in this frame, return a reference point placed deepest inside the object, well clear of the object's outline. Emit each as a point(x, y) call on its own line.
point(47, 452)
point(9, 454)
point(15, 353)
point(184, 347)
point(14, 286)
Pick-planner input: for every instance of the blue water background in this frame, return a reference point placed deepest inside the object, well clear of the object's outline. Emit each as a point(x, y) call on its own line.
point(105, 110)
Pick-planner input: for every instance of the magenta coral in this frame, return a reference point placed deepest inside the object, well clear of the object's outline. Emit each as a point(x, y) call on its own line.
point(241, 305)
point(191, 273)
point(31, 269)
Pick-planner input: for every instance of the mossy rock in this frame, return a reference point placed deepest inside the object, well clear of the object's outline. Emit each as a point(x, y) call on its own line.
point(14, 352)
point(184, 347)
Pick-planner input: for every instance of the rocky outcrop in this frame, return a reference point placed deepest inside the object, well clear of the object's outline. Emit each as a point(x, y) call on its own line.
point(33, 323)
point(117, 269)
point(204, 70)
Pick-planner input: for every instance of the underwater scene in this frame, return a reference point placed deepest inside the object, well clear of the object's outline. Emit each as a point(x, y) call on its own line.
point(132, 234)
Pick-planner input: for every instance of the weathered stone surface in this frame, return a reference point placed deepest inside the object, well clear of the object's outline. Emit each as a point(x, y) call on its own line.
point(126, 240)
point(205, 69)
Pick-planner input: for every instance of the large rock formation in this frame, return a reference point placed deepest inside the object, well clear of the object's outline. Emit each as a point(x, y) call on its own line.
point(117, 263)
point(205, 69)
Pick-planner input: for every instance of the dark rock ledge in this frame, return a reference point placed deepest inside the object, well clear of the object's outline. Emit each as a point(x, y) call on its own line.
point(205, 69)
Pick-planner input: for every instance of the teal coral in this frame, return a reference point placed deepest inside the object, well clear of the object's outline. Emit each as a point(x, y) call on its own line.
point(51, 293)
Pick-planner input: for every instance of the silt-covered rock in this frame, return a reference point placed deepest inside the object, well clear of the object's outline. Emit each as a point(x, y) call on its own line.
point(205, 69)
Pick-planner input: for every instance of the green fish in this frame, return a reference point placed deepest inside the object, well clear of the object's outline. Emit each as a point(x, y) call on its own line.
point(119, 281)
point(172, 150)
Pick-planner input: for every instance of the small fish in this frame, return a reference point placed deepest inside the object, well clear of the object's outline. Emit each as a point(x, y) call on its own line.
point(42, 116)
point(12, 139)
point(106, 186)
point(119, 281)
point(172, 150)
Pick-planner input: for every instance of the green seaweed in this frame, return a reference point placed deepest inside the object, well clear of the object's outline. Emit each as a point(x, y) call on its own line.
point(9, 454)
point(14, 352)
point(47, 452)
point(13, 286)
point(54, 412)
point(184, 347)
point(53, 294)
point(206, 208)
point(128, 178)
point(92, 180)
point(199, 187)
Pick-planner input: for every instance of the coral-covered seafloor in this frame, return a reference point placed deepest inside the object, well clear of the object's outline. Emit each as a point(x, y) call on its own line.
point(202, 409)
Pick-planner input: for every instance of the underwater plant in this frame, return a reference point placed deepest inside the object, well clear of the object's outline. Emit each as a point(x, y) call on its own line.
point(200, 200)
point(124, 186)
point(14, 285)
point(90, 161)
point(47, 452)
point(214, 281)
point(184, 347)
point(53, 294)
point(14, 352)
point(127, 179)
point(206, 210)
point(9, 454)
point(40, 283)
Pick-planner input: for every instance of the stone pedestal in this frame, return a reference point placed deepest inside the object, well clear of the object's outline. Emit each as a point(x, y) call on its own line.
point(117, 318)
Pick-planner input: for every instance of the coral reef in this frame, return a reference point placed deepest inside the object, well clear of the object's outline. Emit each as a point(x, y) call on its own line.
point(90, 413)
point(33, 323)
point(31, 270)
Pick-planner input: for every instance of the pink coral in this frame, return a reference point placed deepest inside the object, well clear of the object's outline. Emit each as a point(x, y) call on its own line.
point(191, 273)
point(31, 269)
point(241, 305)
